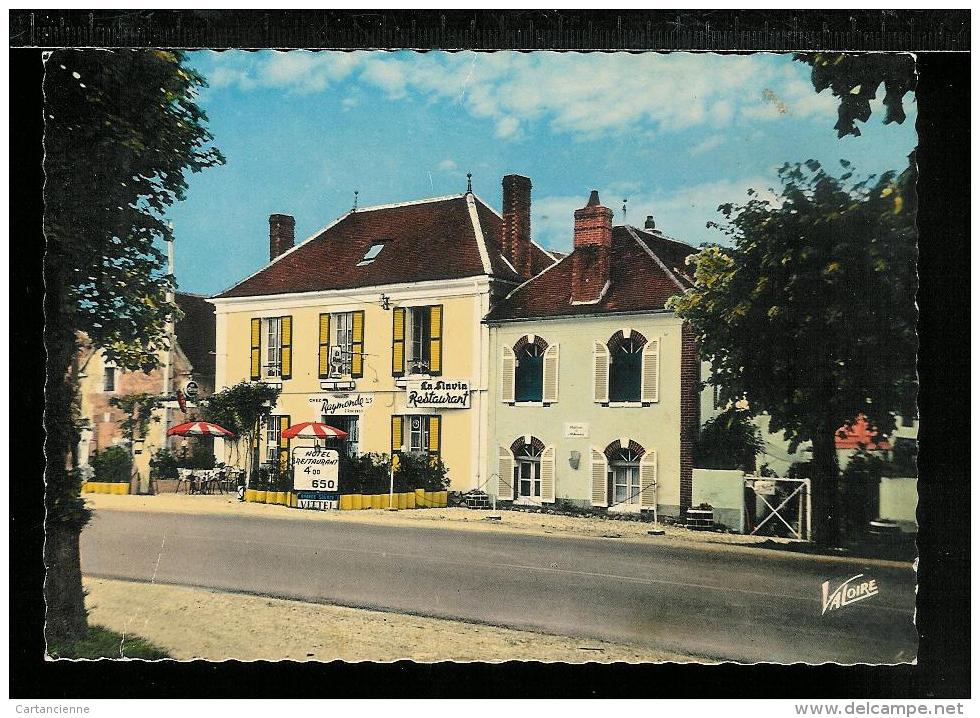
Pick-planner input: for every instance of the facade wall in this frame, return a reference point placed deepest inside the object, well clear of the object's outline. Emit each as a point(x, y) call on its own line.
point(464, 346)
point(655, 427)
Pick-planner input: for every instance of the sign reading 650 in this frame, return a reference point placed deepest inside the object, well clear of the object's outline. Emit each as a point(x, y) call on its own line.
point(315, 469)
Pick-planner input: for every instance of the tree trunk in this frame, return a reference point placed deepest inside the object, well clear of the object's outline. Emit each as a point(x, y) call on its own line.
point(824, 475)
point(65, 512)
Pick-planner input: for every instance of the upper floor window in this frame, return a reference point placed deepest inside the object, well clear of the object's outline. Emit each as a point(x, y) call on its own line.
point(416, 340)
point(627, 369)
point(341, 351)
point(529, 371)
point(109, 379)
point(271, 348)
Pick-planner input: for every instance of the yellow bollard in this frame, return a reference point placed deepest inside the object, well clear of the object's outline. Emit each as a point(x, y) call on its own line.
point(250, 495)
point(379, 501)
point(443, 500)
point(260, 497)
point(410, 500)
point(420, 499)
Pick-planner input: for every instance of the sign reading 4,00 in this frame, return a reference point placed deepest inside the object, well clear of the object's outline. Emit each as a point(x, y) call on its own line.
point(315, 469)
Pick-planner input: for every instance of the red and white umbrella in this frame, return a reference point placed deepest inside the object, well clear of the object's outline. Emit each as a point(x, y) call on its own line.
point(199, 428)
point(313, 430)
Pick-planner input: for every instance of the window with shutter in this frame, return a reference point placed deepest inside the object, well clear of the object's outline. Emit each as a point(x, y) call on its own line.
point(600, 376)
point(507, 369)
point(256, 350)
point(505, 474)
point(550, 393)
point(625, 367)
point(435, 436)
point(599, 479)
point(650, 386)
point(397, 438)
point(548, 475)
point(398, 341)
point(283, 445)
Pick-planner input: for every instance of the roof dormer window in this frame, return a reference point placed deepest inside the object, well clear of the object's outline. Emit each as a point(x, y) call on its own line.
point(371, 254)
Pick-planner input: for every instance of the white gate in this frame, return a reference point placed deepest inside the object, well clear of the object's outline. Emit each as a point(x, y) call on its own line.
point(765, 488)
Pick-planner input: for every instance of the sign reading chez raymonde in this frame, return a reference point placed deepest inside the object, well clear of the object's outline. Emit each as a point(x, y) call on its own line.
point(333, 404)
point(437, 394)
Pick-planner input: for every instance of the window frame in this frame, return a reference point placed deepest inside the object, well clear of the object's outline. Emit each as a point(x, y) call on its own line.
point(616, 344)
point(273, 437)
point(424, 433)
point(418, 341)
point(272, 368)
point(346, 349)
point(109, 386)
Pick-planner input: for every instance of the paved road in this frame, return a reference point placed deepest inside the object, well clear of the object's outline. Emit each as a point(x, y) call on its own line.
point(717, 604)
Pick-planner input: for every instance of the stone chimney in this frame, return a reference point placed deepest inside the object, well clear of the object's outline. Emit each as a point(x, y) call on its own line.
point(516, 240)
point(593, 246)
point(282, 234)
point(649, 224)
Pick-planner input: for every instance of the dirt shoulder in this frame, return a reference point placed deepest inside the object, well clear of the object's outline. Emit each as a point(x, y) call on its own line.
point(596, 527)
point(196, 623)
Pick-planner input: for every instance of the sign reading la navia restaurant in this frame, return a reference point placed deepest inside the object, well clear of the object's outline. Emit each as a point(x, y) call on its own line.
point(437, 394)
point(341, 404)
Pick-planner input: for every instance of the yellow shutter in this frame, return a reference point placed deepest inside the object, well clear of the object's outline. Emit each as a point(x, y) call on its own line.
point(549, 392)
point(650, 376)
point(286, 337)
point(283, 443)
point(357, 344)
point(398, 341)
point(505, 474)
point(397, 433)
point(435, 340)
point(435, 435)
point(323, 356)
point(548, 475)
point(648, 480)
point(256, 350)
point(599, 479)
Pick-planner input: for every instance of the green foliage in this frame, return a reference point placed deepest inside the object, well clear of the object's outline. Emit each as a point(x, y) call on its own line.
point(113, 465)
point(800, 470)
point(200, 455)
point(163, 465)
point(137, 412)
point(905, 456)
point(420, 471)
point(102, 643)
point(728, 441)
point(242, 409)
point(866, 466)
point(811, 315)
point(854, 80)
point(365, 474)
point(121, 129)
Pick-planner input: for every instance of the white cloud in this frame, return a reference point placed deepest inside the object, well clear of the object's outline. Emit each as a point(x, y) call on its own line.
point(447, 165)
point(708, 144)
point(681, 214)
point(583, 94)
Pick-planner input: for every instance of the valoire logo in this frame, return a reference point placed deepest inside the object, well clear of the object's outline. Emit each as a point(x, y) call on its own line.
point(847, 593)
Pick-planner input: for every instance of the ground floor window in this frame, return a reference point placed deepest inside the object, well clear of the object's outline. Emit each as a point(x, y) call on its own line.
point(418, 433)
point(272, 437)
point(347, 423)
point(624, 477)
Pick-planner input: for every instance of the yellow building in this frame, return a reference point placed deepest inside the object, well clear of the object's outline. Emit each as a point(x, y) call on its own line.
point(373, 324)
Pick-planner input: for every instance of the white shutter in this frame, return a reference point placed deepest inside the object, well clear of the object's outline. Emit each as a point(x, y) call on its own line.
point(548, 475)
point(505, 470)
point(507, 369)
point(648, 480)
point(550, 379)
point(600, 376)
point(650, 377)
point(600, 490)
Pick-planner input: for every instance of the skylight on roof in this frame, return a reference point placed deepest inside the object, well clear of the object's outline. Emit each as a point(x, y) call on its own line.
point(370, 255)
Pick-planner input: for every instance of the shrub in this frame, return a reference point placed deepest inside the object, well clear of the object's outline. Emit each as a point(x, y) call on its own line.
point(113, 465)
point(421, 471)
point(163, 465)
point(365, 474)
point(728, 441)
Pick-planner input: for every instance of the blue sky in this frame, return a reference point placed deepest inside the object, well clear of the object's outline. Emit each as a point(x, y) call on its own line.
point(676, 134)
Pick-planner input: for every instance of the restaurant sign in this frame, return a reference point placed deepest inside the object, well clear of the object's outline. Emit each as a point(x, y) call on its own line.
point(315, 469)
point(341, 404)
point(437, 394)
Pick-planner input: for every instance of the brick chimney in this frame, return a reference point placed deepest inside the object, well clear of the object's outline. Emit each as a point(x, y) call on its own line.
point(282, 234)
point(516, 240)
point(593, 245)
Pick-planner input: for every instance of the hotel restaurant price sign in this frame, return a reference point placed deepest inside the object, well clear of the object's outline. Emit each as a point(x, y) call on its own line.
point(316, 475)
point(437, 394)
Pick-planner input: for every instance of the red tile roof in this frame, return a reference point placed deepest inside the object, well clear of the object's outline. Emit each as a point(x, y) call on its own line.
point(425, 240)
point(861, 434)
point(638, 280)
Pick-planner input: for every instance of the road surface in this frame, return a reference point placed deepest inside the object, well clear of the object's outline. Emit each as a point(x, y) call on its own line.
point(691, 601)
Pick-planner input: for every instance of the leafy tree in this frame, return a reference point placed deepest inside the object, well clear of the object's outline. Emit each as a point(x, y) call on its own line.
point(113, 464)
point(163, 465)
point(855, 79)
point(121, 130)
point(242, 409)
point(810, 316)
point(137, 413)
point(728, 441)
